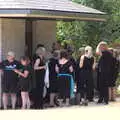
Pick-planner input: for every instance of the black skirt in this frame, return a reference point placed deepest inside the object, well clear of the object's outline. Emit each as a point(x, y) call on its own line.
point(86, 80)
point(9, 86)
point(24, 85)
point(64, 86)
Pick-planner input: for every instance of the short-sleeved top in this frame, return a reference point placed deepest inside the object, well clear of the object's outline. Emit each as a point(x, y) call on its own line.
point(8, 68)
point(26, 68)
point(64, 69)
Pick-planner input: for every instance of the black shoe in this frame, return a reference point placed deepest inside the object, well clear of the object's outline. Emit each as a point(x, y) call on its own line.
point(100, 101)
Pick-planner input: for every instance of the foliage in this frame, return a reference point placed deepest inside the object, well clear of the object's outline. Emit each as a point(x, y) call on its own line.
point(90, 33)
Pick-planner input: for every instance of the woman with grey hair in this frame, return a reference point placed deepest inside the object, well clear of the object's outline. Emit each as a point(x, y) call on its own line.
point(39, 68)
point(10, 79)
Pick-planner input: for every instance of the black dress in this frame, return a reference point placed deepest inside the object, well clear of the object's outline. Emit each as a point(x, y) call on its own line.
point(77, 75)
point(86, 84)
point(115, 72)
point(38, 91)
point(53, 75)
point(105, 75)
point(10, 78)
point(24, 83)
point(64, 81)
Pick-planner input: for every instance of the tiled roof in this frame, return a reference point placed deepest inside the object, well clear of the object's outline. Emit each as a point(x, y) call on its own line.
point(50, 5)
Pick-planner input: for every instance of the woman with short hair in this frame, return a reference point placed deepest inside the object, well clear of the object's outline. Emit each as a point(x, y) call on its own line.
point(10, 79)
point(65, 78)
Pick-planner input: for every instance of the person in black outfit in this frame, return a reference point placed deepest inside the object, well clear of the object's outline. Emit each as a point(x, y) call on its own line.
point(39, 67)
point(86, 85)
point(10, 79)
point(77, 75)
point(105, 72)
point(115, 75)
point(64, 70)
point(25, 76)
point(53, 76)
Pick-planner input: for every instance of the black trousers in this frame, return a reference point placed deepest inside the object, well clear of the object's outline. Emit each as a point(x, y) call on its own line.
point(104, 94)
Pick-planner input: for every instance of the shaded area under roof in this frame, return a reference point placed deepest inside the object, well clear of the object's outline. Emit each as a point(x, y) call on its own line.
point(51, 9)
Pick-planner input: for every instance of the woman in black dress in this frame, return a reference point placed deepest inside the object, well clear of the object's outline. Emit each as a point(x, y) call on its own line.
point(65, 81)
point(105, 72)
point(53, 77)
point(77, 75)
point(24, 81)
point(39, 68)
point(87, 65)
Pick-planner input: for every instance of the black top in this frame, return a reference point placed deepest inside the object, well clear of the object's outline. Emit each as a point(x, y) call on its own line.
point(42, 63)
point(52, 64)
point(106, 69)
point(106, 62)
point(26, 68)
point(40, 74)
point(88, 63)
point(64, 69)
point(8, 68)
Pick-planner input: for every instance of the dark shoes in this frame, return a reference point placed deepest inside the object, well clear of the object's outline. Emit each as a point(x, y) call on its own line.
point(101, 101)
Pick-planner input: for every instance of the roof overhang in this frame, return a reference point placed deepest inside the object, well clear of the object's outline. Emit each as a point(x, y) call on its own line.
point(50, 15)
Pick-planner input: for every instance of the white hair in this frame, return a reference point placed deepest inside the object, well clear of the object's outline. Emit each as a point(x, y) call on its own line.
point(11, 53)
point(98, 51)
point(88, 51)
point(41, 50)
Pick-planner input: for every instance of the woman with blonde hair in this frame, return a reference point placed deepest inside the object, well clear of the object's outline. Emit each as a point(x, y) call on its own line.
point(87, 65)
point(105, 72)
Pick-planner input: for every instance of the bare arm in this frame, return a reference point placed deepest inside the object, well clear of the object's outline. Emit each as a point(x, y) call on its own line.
point(57, 68)
point(81, 61)
point(98, 51)
point(71, 68)
point(94, 64)
point(36, 65)
point(25, 74)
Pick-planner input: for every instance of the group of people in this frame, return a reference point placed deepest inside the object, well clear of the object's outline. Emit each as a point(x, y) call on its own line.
point(28, 80)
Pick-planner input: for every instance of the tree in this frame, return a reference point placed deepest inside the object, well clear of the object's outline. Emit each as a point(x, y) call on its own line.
point(90, 33)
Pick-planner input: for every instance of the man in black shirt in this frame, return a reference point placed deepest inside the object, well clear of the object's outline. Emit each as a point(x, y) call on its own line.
point(10, 79)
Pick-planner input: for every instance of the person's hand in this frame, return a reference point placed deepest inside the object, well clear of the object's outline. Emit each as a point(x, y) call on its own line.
point(16, 71)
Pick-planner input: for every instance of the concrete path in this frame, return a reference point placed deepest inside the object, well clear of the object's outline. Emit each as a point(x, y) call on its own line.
point(91, 112)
